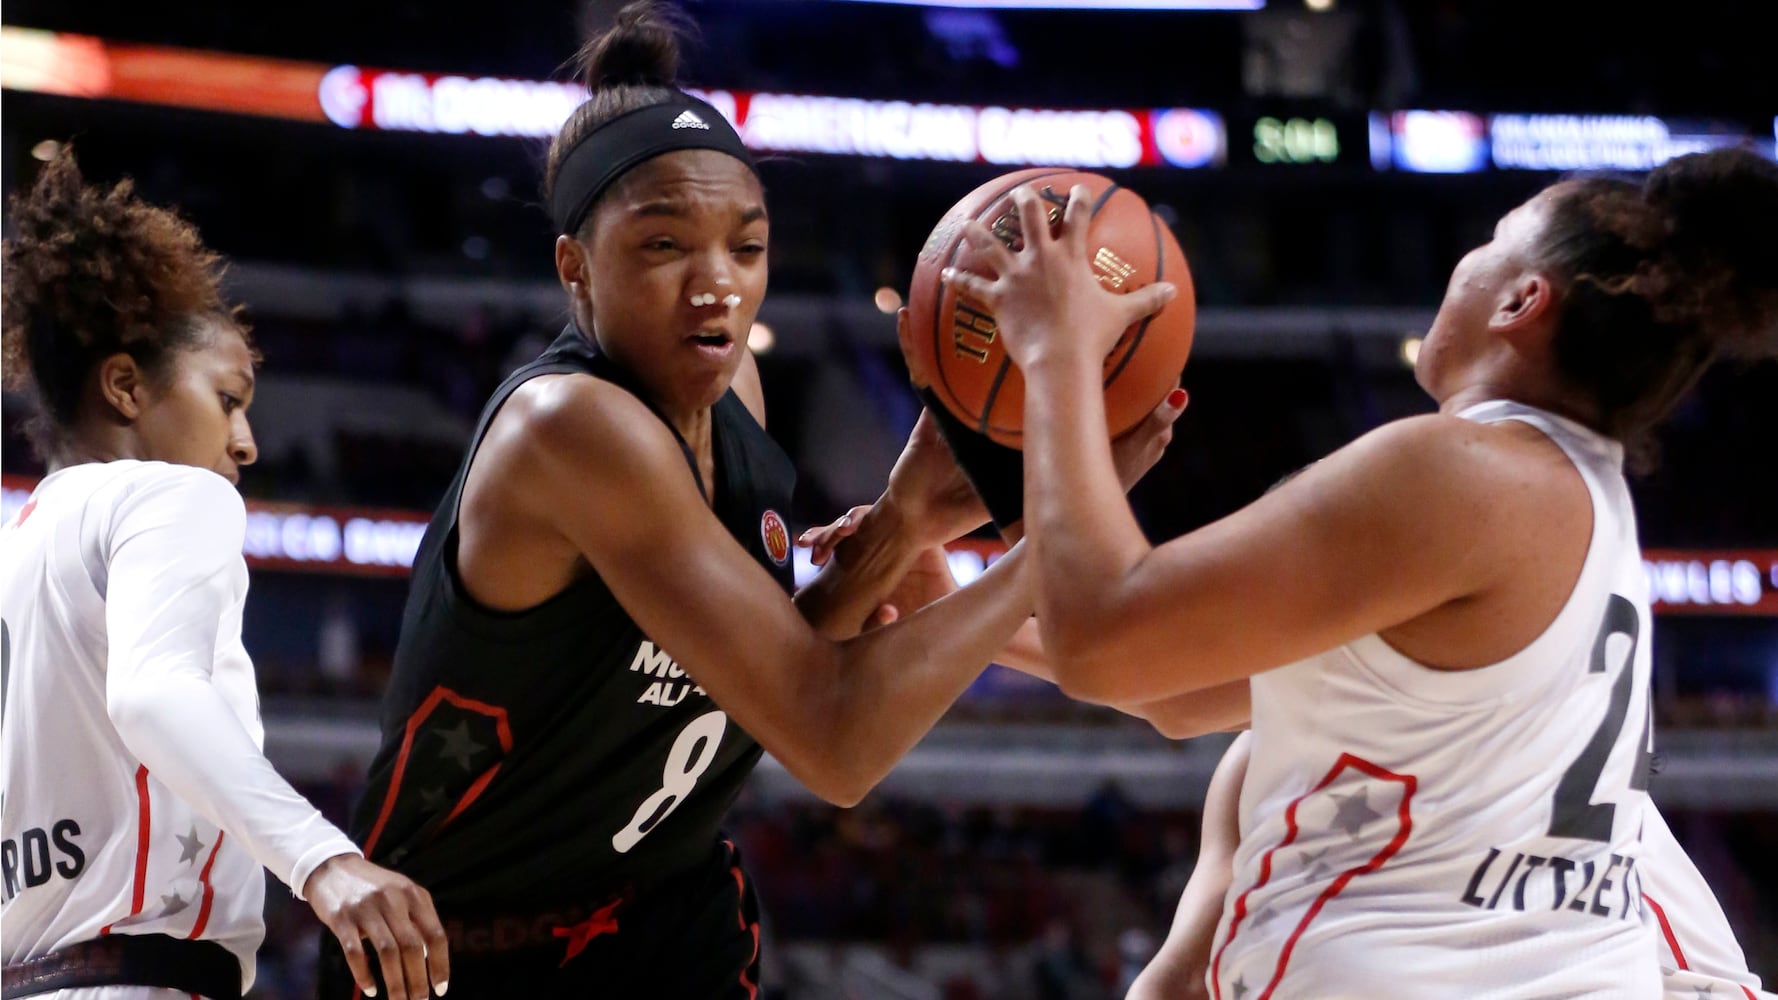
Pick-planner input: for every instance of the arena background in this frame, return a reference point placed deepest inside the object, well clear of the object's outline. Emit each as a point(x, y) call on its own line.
point(371, 168)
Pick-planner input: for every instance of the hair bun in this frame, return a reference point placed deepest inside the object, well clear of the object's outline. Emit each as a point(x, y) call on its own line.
point(641, 48)
point(1721, 209)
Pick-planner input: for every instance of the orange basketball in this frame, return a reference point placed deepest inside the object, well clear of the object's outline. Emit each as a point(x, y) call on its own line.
point(953, 344)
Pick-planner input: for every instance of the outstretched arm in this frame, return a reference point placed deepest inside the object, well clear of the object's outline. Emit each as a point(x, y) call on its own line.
point(930, 501)
point(1358, 543)
point(927, 502)
point(174, 573)
point(1223, 708)
point(838, 715)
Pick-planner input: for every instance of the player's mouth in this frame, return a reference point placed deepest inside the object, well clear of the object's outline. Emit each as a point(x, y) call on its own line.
point(712, 343)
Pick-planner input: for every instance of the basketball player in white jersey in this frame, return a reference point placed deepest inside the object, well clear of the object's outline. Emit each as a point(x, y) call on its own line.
point(138, 807)
point(1697, 951)
point(1445, 622)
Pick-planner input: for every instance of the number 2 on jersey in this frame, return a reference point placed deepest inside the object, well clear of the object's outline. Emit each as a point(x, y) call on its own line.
point(1574, 813)
point(692, 754)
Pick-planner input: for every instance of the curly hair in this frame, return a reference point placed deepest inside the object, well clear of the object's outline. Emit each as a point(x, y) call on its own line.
point(1663, 279)
point(632, 66)
point(90, 273)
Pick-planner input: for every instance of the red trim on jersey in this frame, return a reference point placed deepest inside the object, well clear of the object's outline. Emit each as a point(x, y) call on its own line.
point(438, 696)
point(142, 817)
point(474, 792)
point(741, 919)
point(209, 890)
point(1667, 931)
point(1346, 760)
point(25, 511)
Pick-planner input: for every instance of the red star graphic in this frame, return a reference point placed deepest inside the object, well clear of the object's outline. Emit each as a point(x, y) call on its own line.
point(579, 935)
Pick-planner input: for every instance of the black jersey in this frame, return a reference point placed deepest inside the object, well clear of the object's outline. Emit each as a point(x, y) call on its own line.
point(541, 755)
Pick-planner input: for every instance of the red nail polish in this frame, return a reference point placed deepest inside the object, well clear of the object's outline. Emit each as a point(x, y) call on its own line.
point(1176, 398)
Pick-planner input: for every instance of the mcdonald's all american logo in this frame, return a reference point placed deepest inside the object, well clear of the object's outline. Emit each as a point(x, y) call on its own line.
point(775, 536)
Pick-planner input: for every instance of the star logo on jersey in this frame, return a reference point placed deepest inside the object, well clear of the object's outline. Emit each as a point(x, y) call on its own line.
point(1354, 811)
point(189, 846)
point(458, 745)
point(776, 536)
point(448, 740)
point(1315, 863)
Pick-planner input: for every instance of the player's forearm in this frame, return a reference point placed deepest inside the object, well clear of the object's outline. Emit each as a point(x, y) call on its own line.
point(176, 724)
point(863, 571)
point(1213, 710)
point(1178, 970)
point(1084, 537)
point(892, 684)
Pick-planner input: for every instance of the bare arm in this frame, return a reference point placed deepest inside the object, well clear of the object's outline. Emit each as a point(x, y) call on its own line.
point(1222, 708)
point(927, 502)
point(921, 499)
point(837, 714)
point(1361, 542)
point(1178, 971)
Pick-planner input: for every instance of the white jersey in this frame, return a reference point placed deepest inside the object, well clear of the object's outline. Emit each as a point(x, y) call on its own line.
point(1410, 832)
point(1699, 955)
point(135, 795)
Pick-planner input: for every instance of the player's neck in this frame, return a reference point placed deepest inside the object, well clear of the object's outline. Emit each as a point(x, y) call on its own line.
point(96, 444)
point(694, 427)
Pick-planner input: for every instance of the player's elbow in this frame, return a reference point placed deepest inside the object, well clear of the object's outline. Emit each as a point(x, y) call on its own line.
point(1083, 671)
point(1074, 644)
point(135, 712)
point(845, 795)
point(835, 783)
point(1179, 725)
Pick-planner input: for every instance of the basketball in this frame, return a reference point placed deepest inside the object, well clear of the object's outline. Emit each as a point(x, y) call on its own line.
point(952, 345)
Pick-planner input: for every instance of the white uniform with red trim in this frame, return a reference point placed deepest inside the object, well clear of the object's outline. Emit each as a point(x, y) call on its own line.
point(1410, 832)
point(136, 796)
point(1699, 954)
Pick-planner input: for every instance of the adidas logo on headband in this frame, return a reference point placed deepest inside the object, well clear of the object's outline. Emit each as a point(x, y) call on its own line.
point(605, 153)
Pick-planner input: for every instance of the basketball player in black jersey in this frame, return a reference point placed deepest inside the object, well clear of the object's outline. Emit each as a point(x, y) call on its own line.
point(599, 638)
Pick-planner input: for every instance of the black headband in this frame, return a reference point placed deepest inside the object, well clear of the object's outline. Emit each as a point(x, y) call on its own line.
point(610, 150)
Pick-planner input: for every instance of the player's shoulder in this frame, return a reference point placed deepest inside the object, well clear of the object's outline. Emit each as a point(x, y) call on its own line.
point(177, 478)
point(586, 421)
point(1440, 468)
point(194, 492)
point(1423, 435)
point(1434, 448)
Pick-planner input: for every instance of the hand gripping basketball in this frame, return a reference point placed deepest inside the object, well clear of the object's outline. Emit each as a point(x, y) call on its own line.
point(1048, 303)
point(953, 344)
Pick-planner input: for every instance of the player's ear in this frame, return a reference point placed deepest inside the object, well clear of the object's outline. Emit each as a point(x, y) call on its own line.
point(122, 384)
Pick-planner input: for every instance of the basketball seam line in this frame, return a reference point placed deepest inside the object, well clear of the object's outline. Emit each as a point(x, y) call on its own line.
point(1097, 205)
point(984, 426)
point(993, 394)
point(1160, 268)
point(938, 302)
